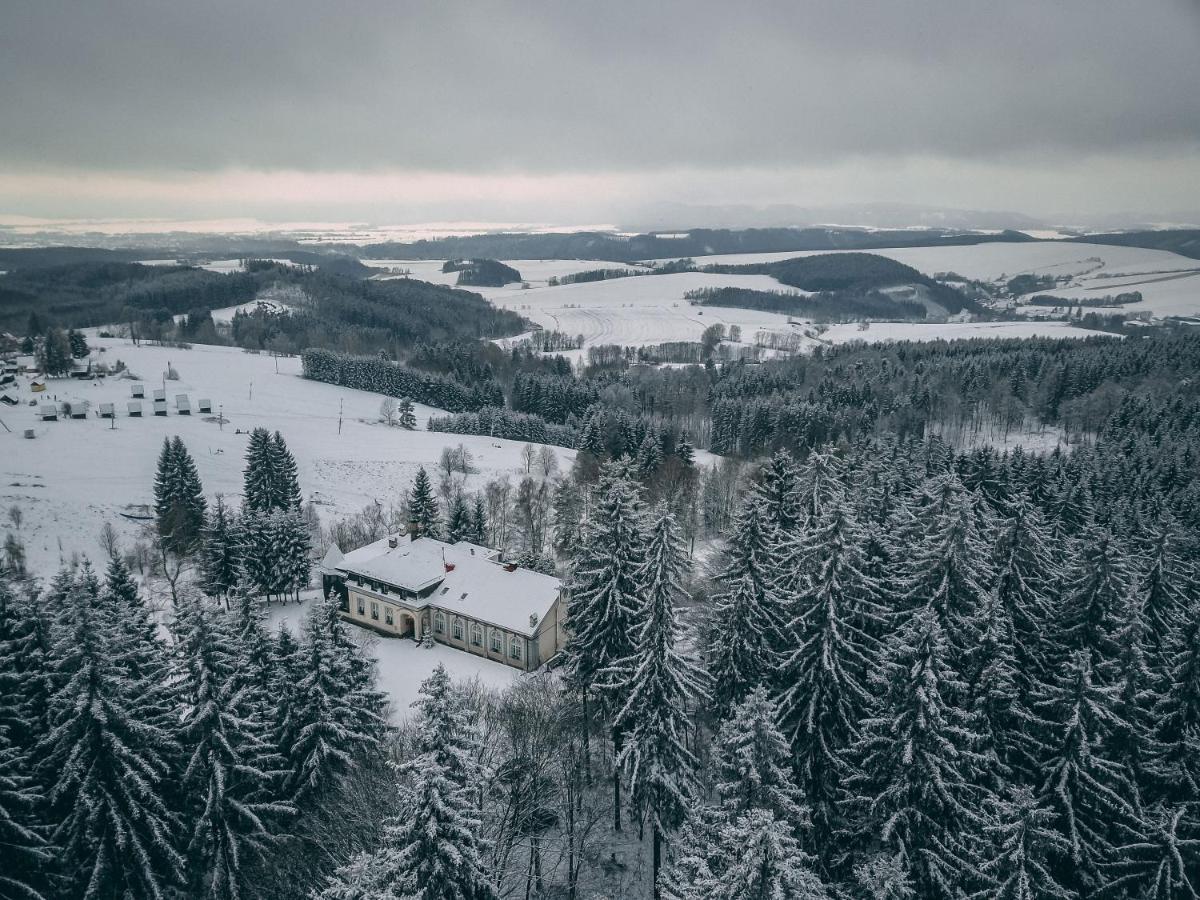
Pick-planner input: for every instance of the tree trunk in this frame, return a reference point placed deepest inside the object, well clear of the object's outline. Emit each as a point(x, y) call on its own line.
point(657, 859)
point(616, 739)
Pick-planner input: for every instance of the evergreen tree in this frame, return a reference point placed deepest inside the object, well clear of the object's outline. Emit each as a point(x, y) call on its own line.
point(764, 862)
point(1021, 842)
point(479, 523)
point(1096, 594)
point(22, 835)
point(1165, 589)
point(286, 495)
point(260, 478)
point(568, 517)
point(458, 523)
point(109, 768)
point(747, 620)
point(406, 416)
point(445, 732)
point(329, 723)
point(659, 685)
point(1178, 711)
point(221, 553)
point(1089, 794)
point(178, 499)
point(604, 598)
point(22, 844)
point(753, 762)
point(1163, 864)
point(777, 491)
point(78, 344)
point(423, 507)
point(949, 570)
point(914, 785)
point(228, 781)
point(1026, 579)
point(822, 682)
point(432, 850)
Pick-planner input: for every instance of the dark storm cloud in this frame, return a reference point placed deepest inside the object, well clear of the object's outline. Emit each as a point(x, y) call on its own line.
point(541, 87)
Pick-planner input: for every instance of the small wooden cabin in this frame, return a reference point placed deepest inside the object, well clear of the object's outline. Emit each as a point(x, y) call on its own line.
point(160, 407)
point(108, 411)
point(137, 390)
point(205, 405)
point(135, 409)
point(48, 412)
point(183, 405)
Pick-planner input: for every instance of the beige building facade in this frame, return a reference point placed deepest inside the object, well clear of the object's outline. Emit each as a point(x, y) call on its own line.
point(460, 595)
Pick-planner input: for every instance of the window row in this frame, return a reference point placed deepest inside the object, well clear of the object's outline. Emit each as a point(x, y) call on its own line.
point(496, 642)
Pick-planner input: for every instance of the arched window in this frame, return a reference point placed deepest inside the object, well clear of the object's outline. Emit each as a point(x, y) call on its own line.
point(514, 648)
point(458, 629)
point(439, 623)
point(476, 636)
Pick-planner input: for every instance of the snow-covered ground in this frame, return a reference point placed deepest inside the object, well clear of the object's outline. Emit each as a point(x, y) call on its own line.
point(535, 272)
point(949, 331)
point(78, 474)
point(1170, 283)
point(401, 664)
point(634, 312)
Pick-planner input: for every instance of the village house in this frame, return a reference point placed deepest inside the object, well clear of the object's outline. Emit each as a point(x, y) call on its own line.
point(460, 595)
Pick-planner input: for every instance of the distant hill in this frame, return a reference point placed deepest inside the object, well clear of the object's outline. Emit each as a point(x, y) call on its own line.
point(1184, 241)
point(854, 276)
point(696, 242)
point(482, 272)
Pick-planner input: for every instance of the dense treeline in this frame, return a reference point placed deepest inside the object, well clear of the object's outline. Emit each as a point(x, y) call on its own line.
point(384, 377)
point(556, 398)
point(362, 316)
point(824, 306)
point(495, 421)
point(482, 272)
point(695, 242)
point(99, 293)
point(852, 274)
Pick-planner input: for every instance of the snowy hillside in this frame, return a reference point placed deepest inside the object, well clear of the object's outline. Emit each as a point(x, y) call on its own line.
point(78, 474)
point(1169, 283)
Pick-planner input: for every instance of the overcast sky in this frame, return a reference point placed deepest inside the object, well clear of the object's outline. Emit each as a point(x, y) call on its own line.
point(565, 111)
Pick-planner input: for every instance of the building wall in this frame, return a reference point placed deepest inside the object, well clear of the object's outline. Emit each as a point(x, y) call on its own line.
point(414, 623)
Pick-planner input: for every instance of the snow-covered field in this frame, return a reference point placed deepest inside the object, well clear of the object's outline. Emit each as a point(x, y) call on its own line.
point(402, 664)
point(535, 272)
point(634, 312)
point(1170, 283)
point(78, 474)
point(949, 331)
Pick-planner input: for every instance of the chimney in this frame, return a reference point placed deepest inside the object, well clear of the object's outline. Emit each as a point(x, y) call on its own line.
point(533, 620)
point(394, 541)
point(449, 566)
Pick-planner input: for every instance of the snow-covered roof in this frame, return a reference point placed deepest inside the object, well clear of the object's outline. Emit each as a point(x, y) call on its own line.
point(466, 578)
point(332, 558)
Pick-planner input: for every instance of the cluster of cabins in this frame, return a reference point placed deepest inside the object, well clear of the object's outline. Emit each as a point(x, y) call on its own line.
point(80, 409)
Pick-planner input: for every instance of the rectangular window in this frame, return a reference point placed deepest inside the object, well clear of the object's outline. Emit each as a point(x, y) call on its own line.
point(514, 649)
point(497, 647)
point(458, 632)
point(387, 615)
point(374, 610)
point(476, 636)
point(439, 623)
point(361, 609)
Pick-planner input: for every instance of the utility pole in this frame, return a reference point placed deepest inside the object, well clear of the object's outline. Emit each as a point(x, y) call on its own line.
point(340, 402)
point(251, 397)
point(221, 416)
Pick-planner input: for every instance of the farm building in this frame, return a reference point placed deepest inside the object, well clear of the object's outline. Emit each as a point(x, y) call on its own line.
point(460, 595)
point(76, 408)
point(9, 400)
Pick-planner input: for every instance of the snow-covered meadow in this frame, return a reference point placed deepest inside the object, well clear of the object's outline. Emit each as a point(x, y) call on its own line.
point(75, 475)
point(1169, 283)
